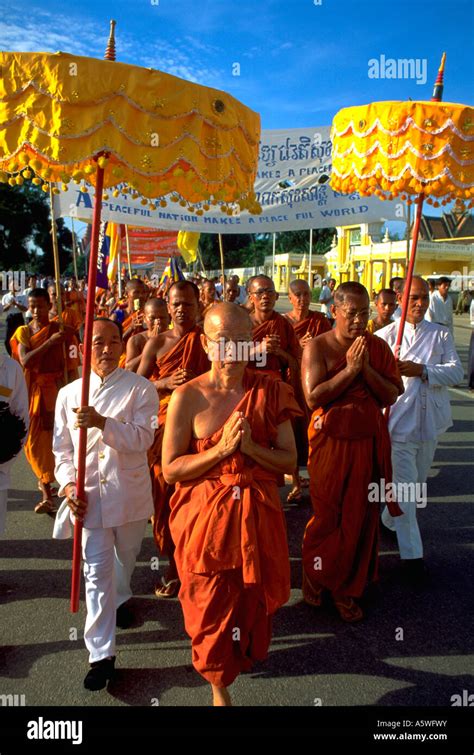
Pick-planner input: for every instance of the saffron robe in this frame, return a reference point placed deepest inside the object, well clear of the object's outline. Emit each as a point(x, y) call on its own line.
point(187, 354)
point(349, 448)
point(231, 552)
point(315, 324)
point(43, 382)
point(276, 325)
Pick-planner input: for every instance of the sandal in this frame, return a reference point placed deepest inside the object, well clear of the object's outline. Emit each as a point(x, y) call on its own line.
point(295, 495)
point(311, 596)
point(45, 507)
point(348, 609)
point(168, 589)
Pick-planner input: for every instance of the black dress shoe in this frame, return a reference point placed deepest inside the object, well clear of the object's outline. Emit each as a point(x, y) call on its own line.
point(124, 617)
point(99, 674)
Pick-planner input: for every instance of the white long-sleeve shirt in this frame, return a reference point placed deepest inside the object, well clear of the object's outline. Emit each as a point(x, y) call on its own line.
point(423, 412)
point(118, 483)
point(13, 391)
point(440, 310)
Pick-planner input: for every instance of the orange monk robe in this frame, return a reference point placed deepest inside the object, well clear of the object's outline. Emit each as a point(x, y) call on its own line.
point(231, 552)
point(70, 319)
point(186, 354)
point(315, 324)
point(75, 300)
point(276, 325)
point(43, 382)
point(349, 449)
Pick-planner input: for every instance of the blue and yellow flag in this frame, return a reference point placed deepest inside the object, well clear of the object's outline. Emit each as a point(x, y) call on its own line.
point(171, 273)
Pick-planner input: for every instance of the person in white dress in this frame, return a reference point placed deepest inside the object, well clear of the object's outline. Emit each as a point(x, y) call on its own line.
point(121, 418)
point(428, 363)
point(440, 310)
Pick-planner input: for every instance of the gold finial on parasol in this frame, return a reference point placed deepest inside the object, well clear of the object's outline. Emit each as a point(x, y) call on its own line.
point(110, 49)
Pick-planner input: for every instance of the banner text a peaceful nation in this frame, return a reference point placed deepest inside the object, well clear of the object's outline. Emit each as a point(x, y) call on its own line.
point(291, 186)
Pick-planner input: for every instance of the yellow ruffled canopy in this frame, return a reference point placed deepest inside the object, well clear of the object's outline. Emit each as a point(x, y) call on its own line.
point(155, 133)
point(393, 149)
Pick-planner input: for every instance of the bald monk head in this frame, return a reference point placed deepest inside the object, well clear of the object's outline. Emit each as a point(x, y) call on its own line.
point(183, 304)
point(137, 293)
point(157, 318)
point(227, 337)
point(418, 300)
point(351, 310)
point(39, 305)
point(231, 291)
point(299, 294)
point(208, 293)
point(53, 298)
point(107, 346)
point(262, 294)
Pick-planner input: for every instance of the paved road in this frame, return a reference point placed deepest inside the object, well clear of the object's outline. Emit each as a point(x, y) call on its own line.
point(313, 655)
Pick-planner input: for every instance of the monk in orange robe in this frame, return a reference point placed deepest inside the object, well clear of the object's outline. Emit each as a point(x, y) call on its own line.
point(307, 324)
point(49, 359)
point(348, 377)
point(70, 317)
point(279, 349)
point(156, 320)
point(169, 360)
point(207, 298)
point(227, 439)
point(137, 294)
point(76, 300)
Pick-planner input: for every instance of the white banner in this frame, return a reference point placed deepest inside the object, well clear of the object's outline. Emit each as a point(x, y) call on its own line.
point(291, 186)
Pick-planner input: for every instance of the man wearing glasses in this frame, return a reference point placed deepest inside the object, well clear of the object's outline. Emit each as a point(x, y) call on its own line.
point(348, 376)
point(272, 331)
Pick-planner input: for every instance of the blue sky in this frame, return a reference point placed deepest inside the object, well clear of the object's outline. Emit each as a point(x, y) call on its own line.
point(300, 62)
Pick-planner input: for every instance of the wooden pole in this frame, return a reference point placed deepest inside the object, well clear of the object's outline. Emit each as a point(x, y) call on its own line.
point(221, 249)
point(273, 255)
point(86, 369)
point(310, 263)
point(57, 278)
point(74, 257)
point(127, 240)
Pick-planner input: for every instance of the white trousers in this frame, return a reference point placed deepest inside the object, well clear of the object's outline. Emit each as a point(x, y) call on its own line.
point(3, 510)
point(411, 462)
point(109, 560)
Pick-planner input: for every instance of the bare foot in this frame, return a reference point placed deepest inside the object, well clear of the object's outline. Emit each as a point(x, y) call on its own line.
point(220, 696)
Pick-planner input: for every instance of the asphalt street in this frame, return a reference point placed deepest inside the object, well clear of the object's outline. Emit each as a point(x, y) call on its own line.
point(314, 658)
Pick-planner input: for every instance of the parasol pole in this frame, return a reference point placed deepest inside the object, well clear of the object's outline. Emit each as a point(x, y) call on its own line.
point(57, 278)
point(119, 271)
point(128, 253)
point(310, 262)
point(221, 249)
point(74, 257)
point(437, 96)
point(273, 254)
point(86, 362)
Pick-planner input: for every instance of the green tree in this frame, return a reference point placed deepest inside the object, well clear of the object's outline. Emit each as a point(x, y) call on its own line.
point(25, 231)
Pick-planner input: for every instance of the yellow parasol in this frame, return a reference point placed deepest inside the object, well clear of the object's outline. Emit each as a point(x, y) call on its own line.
point(417, 151)
point(127, 129)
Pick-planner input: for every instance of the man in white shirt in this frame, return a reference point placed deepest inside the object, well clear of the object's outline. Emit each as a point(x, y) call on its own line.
point(326, 297)
point(14, 394)
point(428, 363)
point(121, 417)
point(15, 304)
point(441, 305)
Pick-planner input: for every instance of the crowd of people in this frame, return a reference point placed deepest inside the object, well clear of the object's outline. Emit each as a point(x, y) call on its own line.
point(202, 398)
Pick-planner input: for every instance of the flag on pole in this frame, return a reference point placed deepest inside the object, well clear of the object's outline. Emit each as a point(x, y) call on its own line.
point(188, 244)
point(115, 235)
point(171, 273)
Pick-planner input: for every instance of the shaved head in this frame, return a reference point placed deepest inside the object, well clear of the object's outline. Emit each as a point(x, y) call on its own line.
point(226, 316)
point(350, 288)
point(298, 285)
point(421, 280)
